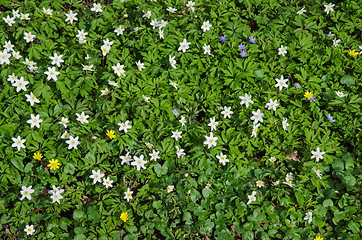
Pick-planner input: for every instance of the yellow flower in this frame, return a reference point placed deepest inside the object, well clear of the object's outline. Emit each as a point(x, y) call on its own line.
point(352, 53)
point(53, 164)
point(38, 156)
point(308, 95)
point(124, 216)
point(110, 134)
point(318, 238)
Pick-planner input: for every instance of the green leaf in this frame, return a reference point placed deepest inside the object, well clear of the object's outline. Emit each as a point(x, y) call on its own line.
point(69, 168)
point(78, 215)
point(355, 227)
point(328, 203)
point(18, 163)
point(348, 80)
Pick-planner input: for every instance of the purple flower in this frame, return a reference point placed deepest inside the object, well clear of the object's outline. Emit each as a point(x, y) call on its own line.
point(243, 53)
point(222, 38)
point(252, 39)
point(297, 85)
point(242, 46)
point(175, 112)
point(312, 99)
point(330, 118)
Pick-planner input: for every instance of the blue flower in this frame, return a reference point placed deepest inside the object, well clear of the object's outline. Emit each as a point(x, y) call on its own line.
point(312, 99)
point(222, 38)
point(252, 39)
point(330, 118)
point(242, 46)
point(297, 85)
point(175, 112)
point(243, 53)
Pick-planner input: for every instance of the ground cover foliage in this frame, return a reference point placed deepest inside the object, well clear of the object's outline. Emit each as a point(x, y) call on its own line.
point(213, 120)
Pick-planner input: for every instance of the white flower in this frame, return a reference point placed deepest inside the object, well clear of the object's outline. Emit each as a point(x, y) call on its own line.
point(57, 59)
point(128, 194)
point(126, 159)
point(317, 154)
point(154, 155)
point(4, 57)
point(210, 141)
point(81, 34)
point(227, 111)
point(16, 13)
point(56, 197)
point(207, 49)
point(212, 123)
point(289, 177)
point(180, 152)
point(8, 46)
point(18, 142)
point(174, 84)
point(251, 197)
point(31, 98)
point(96, 8)
point(28, 62)
point(289, 183)
point(172, 61)
point(105, 49)
point(138, 162)
point(147, 14)
point(282, 50)
point(149, 145)
point(118, 69)
point(87, 68)
point(17, 55)
point(208, 185)
point(107, 182)
point(47, 11)
point(35, 121)
point(182, 121)
point(64, 122)
point(9, 20)
point(113, 83)
point(12, 78)
point(26, 191)
point(360, 47)
point(65, 135)
point(340, 94)
point(170, 188)
point(160, 32)
point(255, 129)
point(145, 98)
point(119, 30)
point(222, 159)
point(318, 172)
point(25, 16)
point(29, 37)
point(97, 176)
point(257, 116)
point(162, 24)
point(73, 142)
point(52, 74)
point(301, 11)
point(272, 159)
point(56, 190)
point(82, 118)
point(281, 82)
point(176, 134)
point(330, 34)
point(105, 91)
point(71, 17)
point(124, 126)
point(86, 58)
point(154, 23)
point(308, 216)
point(184, 45)
point(336, 42)
point(329, 7)
point(246, 100)
point(171, 10)
point(140, 65)
point(206, 26)
point(275, 183)
point(260, 183)
point(29, 229)
point(285, 124)
point(272, 105)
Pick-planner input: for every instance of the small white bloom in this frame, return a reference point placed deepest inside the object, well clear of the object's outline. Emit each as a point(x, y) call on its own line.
point(329, 8)
point(206, 26)
point(107, 182)
point(301, 11)
point(227, 112)
point(176, 134)
point(207, 49)
point(154, 155)
point(260, 183)
point(272, 104)
point(29, 229)
point(180, 152)
point(170, 188)
point(272, 159)
point(124, 126)
point(213, 123)
point(105, 91)
point(29, 37)
point(35, 121)
point(97, 176)
point(52, 73)
point(73, 142)
point(82, 118)
point(285, 124)
point(340, 94)
point(172, 61)
point(140, 65)
point(336, 42)
point(18, 143)
point(317, 154)
point(251, 198)
point(184, 45)
point(182, 121)
point(96, 7)
point(246, 100)
point(31, 98)
point(139, 162)
point(128, 194)
point(308, 216)
point(126, 159)
point(281, 83)
point(210, 141)
point(257, 116)
point(26, 191)
point(222, 159)
point(282, 50)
